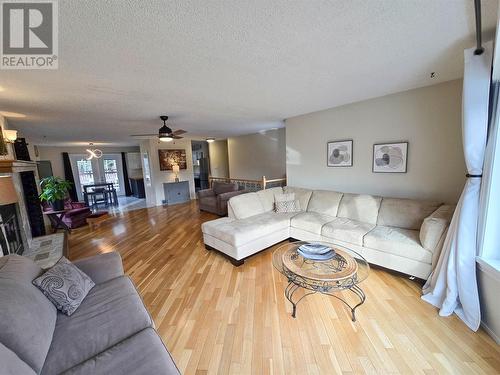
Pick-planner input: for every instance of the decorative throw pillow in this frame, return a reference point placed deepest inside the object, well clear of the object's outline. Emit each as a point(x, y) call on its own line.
point(287, 206)
point(64, 285)
point(284, 197)
point(286, 202)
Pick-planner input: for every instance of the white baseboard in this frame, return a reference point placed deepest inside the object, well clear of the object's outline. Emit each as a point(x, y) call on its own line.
point(490, 332)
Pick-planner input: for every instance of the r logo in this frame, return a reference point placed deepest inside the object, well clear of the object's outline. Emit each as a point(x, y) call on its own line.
point(27, 28)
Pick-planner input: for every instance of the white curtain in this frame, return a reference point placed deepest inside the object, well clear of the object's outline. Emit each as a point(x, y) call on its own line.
point(452, 287)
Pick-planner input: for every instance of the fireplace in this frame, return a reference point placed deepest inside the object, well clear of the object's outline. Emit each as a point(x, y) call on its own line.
point(10, 231)
point(21, 217)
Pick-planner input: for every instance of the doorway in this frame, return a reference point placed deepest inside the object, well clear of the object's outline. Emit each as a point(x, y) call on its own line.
point(107, 169)
point(201, 164)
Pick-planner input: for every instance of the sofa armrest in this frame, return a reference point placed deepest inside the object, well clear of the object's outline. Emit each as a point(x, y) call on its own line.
point(434, 228)
point(206, 193)
point(102, 267)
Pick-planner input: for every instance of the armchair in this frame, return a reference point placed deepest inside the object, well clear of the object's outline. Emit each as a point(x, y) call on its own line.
point(76, 213)
point(214, 200)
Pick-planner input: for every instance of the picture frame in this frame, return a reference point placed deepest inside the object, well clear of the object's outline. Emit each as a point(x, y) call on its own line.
point(390, 157)
point(339, 153)
point(170, 157)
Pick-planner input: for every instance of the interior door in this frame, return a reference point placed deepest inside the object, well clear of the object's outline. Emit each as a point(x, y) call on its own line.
point(111, 171)
point(85, 172)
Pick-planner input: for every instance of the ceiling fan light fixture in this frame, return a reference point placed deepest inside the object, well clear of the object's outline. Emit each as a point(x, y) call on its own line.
point(165, 138)
point(93, 153)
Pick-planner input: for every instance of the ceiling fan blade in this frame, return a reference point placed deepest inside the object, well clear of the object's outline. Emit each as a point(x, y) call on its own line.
point(179, 132)
point(143, 135)
point(176, 136)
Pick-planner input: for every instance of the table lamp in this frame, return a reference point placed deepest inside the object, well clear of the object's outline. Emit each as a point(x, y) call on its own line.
point(8, 193)
point(175, 169)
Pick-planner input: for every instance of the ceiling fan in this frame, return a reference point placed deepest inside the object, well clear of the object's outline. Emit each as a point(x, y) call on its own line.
point(165, 134)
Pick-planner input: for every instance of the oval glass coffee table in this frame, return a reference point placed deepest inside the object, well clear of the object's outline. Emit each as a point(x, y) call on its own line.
point(344, 271)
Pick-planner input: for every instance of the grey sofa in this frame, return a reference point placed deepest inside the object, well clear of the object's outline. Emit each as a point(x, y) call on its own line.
point(214, 200)
point(110, 333)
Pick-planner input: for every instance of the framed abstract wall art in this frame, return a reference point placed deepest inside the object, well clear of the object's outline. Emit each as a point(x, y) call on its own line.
point(390, 157)
point(170, 157)
point(339, 153)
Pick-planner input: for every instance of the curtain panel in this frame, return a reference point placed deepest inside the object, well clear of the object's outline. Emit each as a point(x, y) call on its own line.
point(126, 181)
point(68, 176)
point(452, 287)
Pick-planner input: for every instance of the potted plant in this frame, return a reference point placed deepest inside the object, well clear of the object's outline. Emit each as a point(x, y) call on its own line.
point(54, 191)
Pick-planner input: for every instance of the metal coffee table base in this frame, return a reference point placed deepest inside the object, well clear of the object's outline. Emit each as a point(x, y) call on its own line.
point(292, 287)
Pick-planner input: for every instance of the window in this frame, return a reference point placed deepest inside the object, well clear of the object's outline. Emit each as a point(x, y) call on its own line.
point(85, 172)
point(111, 173)
point(489, 235)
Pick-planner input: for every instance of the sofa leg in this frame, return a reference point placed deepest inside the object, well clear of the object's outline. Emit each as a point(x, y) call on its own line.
point(209, 247)
point(293, 240)
point(235, 262)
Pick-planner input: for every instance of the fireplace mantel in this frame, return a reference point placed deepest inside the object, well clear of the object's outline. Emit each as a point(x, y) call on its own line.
point(15, 166)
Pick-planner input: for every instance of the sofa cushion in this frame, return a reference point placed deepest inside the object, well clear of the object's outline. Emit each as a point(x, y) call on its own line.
point(18, 268)
point(102, 267)
point(267, 197)
point(141, 354)
point(303, 195)
point(246, 205)
point(324, 202)
point(310, 221)
point(347, 230)
point(11, 364)
point(359, 207)
point(397, 241)
point(221, 187)
point(27, 317)
point(405, 213)
point(65, 285)
point(240, 232)
point(111, 312)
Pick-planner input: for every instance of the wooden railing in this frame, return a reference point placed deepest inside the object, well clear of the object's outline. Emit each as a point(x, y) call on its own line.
point(251, 185)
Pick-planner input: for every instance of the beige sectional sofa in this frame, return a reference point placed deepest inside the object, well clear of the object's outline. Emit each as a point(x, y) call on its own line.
point(400, 234)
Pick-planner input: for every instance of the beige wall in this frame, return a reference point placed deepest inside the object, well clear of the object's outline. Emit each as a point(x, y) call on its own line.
point(429, 118)
point(54, 154)
point(255, 155)
point(219, 161)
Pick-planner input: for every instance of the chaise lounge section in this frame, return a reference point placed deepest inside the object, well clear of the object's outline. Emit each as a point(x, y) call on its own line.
point(404, 235)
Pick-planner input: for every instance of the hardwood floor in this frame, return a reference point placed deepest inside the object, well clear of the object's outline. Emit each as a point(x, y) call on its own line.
point(218, 319)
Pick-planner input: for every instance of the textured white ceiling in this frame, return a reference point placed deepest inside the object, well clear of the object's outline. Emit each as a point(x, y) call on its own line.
point(228, 67)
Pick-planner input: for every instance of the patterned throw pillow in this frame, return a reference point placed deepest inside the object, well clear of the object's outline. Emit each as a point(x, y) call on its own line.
point(287, 206)
point(284, 197)
point(64, 285)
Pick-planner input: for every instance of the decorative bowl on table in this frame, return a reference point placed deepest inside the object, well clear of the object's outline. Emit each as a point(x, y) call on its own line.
point(316, 251)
